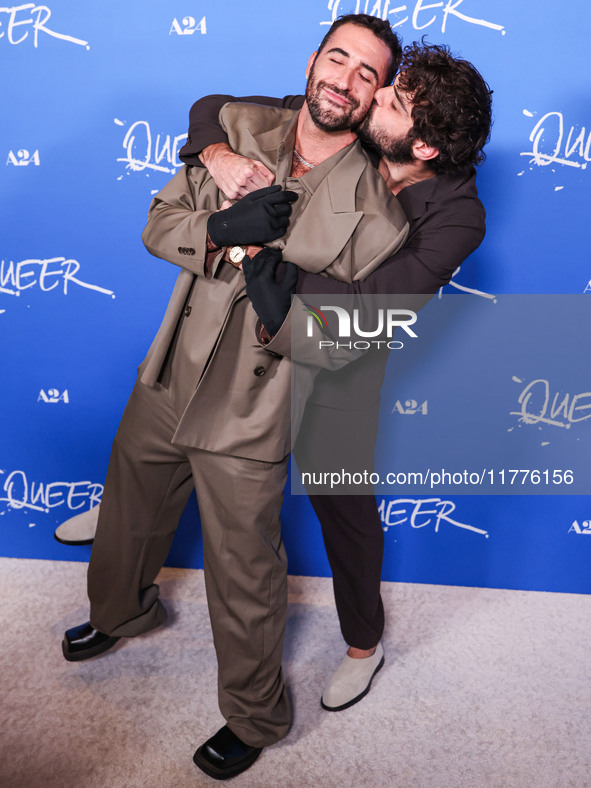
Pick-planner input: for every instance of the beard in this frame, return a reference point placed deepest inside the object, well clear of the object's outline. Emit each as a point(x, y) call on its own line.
point(329, 116)
point(397, 150)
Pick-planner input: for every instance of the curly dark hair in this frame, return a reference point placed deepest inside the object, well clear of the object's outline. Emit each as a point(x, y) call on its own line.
point(380, 28)
point(451, 105)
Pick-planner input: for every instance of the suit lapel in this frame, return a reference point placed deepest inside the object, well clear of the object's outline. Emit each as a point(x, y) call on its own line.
point(330, 217)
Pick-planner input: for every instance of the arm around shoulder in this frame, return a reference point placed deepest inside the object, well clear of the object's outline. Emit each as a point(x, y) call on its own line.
point(205, 128)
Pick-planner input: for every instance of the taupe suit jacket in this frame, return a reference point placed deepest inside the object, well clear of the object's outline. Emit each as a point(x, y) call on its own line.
point(239, 402)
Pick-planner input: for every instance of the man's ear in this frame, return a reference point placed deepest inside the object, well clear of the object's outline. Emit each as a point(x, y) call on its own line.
point(424, 152)
point(311, 60)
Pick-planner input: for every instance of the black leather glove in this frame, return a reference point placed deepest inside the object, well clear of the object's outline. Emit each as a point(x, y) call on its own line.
point(258, 218)
point(270, 296)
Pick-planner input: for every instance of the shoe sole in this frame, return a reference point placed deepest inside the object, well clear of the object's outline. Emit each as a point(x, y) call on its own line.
point(70, 542)
point(223, 774)
point(357, 698)
point(78, 656)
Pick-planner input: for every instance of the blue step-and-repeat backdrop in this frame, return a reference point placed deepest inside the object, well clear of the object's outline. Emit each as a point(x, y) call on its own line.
point(95, 106)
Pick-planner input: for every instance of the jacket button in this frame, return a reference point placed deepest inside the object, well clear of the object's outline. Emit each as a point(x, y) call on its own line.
point(258, 371)
point(188, 311)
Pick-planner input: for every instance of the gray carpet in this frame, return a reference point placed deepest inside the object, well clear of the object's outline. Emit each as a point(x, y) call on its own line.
point(480, 688)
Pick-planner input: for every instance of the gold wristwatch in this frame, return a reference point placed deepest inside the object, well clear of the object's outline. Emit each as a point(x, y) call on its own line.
point(236, 255)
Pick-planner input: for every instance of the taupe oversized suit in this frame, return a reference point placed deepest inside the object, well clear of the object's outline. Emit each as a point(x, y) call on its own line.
point(211, 410)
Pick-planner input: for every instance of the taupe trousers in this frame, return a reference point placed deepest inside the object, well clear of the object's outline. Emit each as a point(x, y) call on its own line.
point(148, 483)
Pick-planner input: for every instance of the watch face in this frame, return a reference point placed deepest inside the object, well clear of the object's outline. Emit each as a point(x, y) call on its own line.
point(237, 254)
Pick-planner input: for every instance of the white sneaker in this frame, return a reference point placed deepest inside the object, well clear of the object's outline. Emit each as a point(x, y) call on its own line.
point(351, 681)
point(79, 529)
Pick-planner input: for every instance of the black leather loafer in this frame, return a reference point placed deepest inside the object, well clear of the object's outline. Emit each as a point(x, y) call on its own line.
point(225, 755)
point(84, 642)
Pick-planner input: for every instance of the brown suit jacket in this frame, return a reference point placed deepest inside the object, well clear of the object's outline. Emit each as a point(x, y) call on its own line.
point(240, 397)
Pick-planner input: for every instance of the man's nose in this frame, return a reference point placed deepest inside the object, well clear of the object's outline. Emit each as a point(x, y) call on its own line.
point(345, 79)
point(380, 95)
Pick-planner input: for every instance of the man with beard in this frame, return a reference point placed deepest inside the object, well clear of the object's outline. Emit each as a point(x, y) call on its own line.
point(211, 408)
point(429, 129)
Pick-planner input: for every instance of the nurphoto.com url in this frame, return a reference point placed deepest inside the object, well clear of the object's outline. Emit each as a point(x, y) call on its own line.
point(503, 477)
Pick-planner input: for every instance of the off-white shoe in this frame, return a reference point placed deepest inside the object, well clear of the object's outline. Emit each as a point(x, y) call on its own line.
point(351, 681)
point(79, 529)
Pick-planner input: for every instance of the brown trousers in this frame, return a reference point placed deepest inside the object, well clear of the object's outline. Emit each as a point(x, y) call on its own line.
point(148, 483)
point(331, 439)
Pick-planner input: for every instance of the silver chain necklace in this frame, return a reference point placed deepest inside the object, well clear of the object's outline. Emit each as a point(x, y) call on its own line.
point(303, 161)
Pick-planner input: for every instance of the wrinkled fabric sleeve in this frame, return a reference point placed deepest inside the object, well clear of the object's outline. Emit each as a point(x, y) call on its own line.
point(204, 125)
point(176, 228)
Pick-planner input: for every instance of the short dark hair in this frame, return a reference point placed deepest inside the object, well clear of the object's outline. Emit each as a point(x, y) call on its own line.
point(380, 28)
point(451, 105)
